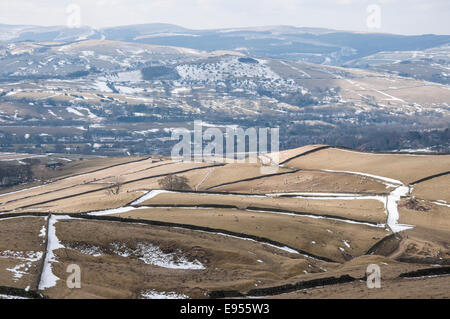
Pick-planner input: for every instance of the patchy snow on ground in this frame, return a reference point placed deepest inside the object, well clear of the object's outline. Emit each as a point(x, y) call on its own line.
point(89, 113)
point(86, 249)
point(217, 71)
point(102, 86)
point(22, 255)
point(11, 297)
point(129, 90)
point(346, 243)
point(153, 255)
point(53, 114)
point(145, 132)
point(73, 111)
point(152, 294)
point(28, 258)
point(180, 90)
point(441, 203)
point(129, 76)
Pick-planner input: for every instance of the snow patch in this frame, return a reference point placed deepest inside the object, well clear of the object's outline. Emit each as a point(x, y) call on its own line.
point(152, 294)
point(392, 208)
point(48, 279)
point(153, 255)
point(149, 195)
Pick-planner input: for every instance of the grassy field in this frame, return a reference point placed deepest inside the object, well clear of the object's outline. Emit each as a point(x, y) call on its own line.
point(308, 181)
point(19, 248)
point(405, 168)
point(365, 209)
point(434, 189)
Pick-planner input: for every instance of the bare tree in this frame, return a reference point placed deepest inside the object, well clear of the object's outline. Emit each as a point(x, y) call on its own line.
point(116, 186)
point(174, 182)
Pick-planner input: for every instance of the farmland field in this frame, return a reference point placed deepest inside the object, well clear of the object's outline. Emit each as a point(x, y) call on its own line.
point(232, 230)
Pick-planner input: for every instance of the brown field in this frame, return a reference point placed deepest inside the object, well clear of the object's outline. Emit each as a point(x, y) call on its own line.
point(49, 196)
point(429, 239)
point(308, 181)
point(427, 215)
point(20, 238)
point(406, 168)
point(231, 173)
point(86, 203)
point(364, 209)
point(434, 189)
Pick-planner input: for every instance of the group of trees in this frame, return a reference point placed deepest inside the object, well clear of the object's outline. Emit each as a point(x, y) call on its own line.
point(14, 174)
point(170, 182)
point(174, 183)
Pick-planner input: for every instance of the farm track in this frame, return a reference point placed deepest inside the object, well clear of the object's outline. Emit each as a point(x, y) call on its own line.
point(205, 178)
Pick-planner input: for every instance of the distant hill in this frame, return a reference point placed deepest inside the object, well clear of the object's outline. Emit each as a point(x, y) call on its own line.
point(308, 44)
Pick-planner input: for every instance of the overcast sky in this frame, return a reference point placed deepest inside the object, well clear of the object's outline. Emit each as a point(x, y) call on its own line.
point(397, 16)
